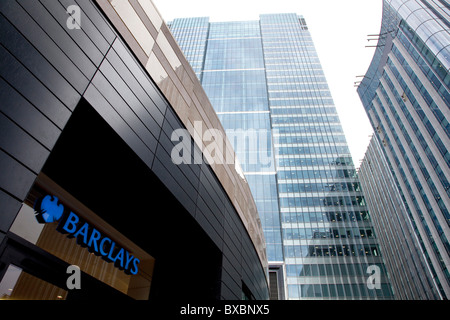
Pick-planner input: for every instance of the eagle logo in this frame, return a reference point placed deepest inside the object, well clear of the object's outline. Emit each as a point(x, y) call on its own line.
point(48, 209)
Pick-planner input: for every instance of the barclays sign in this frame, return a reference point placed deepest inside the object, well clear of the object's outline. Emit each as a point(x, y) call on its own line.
point(48, 209)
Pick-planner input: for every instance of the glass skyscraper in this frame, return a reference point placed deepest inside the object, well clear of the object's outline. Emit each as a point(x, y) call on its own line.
point(404, 258)
point(267, 86)
point(406, 94)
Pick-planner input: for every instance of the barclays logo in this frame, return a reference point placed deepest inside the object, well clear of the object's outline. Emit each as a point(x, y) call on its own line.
point(49, 209)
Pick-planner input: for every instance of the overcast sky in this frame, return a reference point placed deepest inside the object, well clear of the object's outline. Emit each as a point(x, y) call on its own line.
point(340, 31)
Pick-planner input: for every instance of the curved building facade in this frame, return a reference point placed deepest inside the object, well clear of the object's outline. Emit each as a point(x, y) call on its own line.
point(406, 96)
point(92, 205)
point(404, 257)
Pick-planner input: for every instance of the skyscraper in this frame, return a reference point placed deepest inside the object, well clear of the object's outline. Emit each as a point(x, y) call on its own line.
point(406, 95)
point(265, 82)
point(404, 258)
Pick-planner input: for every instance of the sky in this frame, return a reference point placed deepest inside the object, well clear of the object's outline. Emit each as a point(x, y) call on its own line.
point(340, 30)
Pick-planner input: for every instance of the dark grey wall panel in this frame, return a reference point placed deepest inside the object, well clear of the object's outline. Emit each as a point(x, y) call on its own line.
point(231, 228)
point(8, 209)
point(54, 17)
point(252, 268)
point(32, 89)
point(85, 59)
point(214, 212)
point(97, 27)
point(142, 77)
point(103, 85)
point(227, 294)
point(171, 123)
point(103, 107)
point(143, 116)
point(232, 220)
point(185, 175)
point(15, 178)
point(132, 83)
point(23, 51)
point(173, 186)
point(235, 269)
point(233, 249)
point(25, 115)
point(61, 60)
point(23, 147)
point(208, 227)
point(192, 173)
point(209, 192)
point(185, 183)
point(234, 285)
point(89, 34)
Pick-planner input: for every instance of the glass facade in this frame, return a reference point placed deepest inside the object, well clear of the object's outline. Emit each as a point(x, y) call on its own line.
point(410, 275)
point(266, 83)
point(234, 80)
point(406, 95)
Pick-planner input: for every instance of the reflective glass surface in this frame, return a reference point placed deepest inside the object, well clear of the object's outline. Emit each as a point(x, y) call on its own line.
point(406, 95)
point(265, 77)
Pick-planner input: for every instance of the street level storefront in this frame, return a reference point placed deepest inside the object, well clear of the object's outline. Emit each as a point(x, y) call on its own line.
point(91, 193)
point(71, 238)
point(91, 205)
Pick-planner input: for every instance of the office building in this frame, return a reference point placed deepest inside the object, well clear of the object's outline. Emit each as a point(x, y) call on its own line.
point(405, 93)
point(266, 83)
point(404, 258)
point(92, 206)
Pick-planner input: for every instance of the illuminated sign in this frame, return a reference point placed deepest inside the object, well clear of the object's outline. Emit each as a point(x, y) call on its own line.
point(49, 209)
